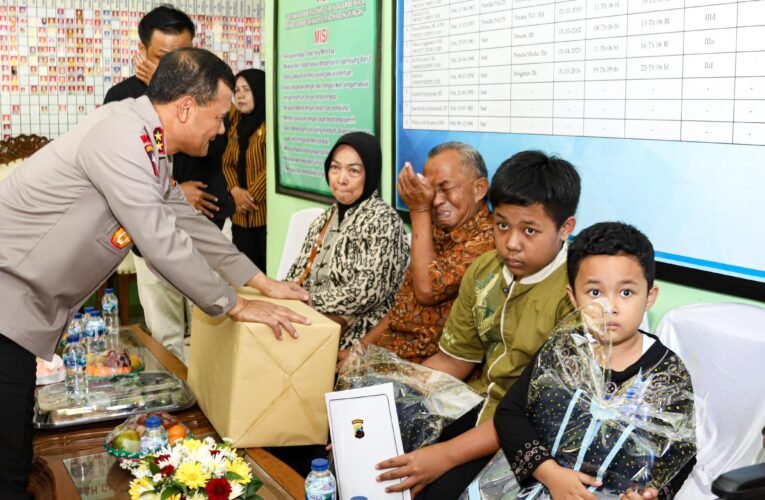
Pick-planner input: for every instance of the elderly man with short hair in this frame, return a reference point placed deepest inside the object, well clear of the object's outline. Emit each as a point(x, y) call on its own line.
point(451, 227)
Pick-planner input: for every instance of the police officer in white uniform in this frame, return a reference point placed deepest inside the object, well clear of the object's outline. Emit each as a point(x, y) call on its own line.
point(71, 212)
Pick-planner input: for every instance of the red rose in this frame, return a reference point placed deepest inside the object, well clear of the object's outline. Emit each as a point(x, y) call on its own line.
point(160, 458)
point(167, 470)
point(218, 489)
point(214, 453)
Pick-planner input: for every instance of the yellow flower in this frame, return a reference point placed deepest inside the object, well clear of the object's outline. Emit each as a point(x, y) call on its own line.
point(139, 486)
point(177, 496)
point(240, 467)
point(192, 475)
point(192, 444)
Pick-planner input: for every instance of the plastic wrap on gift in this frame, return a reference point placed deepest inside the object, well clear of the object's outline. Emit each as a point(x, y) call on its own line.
point(427, 400)
point(632, 435)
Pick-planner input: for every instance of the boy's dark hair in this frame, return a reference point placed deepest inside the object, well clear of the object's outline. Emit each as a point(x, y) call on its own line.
point(531, 177)
point(611, 238)
point(189, 71)
point(167, 19)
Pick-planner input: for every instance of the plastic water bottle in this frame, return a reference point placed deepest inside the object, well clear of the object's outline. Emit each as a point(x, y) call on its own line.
point(95, 334)
point(74, 363)
point(74, 328)
point(100, 327)
point(88, 333)
point(110, 310)
point(154, 437)
point(320, 483)
point(86, 315)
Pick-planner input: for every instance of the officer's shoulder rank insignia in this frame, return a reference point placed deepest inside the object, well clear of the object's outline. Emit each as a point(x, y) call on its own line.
point(159, 139)
point(149, 148)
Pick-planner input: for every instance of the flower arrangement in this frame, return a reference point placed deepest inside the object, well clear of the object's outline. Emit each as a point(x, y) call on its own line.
point(192, 469)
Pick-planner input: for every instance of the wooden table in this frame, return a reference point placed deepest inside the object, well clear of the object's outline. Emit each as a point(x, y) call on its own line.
point(54, 450)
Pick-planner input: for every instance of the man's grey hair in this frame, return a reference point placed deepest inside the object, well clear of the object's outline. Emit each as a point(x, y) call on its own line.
point(469, 156)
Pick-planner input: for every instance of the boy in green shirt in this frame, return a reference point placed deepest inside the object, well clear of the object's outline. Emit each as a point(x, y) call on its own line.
point(509, 302)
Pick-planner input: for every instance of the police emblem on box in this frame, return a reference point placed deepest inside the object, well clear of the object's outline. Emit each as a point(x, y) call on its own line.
point(358, 428)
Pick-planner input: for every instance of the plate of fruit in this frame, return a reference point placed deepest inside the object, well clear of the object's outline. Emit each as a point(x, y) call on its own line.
point(124, 441)
point(113, 363)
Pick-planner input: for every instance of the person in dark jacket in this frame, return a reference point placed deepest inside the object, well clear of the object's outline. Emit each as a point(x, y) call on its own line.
point(166, 310)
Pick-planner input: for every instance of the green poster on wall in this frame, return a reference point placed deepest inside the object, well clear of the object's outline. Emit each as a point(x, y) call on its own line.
point(327, 56)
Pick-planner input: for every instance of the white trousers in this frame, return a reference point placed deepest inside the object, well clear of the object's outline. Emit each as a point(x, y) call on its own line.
point(165, 309)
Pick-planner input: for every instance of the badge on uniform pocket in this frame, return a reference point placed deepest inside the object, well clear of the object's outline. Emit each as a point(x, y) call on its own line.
point(120, 238)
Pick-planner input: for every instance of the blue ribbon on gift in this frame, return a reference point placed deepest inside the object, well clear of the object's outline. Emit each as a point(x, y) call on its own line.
point(599, 414)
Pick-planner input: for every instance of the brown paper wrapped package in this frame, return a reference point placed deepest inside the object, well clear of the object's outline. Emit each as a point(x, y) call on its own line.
point(259, 391)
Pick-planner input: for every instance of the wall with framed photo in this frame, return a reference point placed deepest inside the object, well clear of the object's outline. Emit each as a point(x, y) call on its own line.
point(59, 58)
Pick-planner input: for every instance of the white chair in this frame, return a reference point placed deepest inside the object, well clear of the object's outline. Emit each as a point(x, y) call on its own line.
point(296, 233)
point(723, 347)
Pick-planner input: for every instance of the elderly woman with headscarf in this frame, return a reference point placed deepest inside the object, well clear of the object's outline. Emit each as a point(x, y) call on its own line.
point(353, 258)
point(244, 165)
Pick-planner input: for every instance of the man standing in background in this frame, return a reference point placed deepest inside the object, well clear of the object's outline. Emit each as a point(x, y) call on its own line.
point(166, 310)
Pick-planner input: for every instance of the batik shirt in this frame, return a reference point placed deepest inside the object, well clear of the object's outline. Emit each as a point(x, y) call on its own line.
point(359, 267)
point(415, 328)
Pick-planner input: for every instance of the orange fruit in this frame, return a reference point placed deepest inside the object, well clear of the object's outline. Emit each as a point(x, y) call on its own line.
point(135, 362)
point(176, 432)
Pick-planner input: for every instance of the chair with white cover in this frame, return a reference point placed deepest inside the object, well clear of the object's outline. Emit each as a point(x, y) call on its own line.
point(296, 233)
point(723, 347)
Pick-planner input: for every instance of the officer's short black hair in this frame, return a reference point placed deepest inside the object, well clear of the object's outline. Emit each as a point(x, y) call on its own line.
point(166, 19)
point(531, 177)
point(189, 71)
point(611, 238)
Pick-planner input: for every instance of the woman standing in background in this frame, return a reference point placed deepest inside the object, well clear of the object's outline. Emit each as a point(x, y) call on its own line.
point(244, 165)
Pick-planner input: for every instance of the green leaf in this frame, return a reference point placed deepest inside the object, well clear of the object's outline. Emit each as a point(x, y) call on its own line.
point(255, 483)
point(233, 476)
point(153, 468)
point(170, 491)
point(252, 487)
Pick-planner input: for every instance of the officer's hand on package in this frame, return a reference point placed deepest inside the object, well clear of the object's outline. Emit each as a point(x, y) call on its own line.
point(278, 318)
point(279, 289)
point(199, 199)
